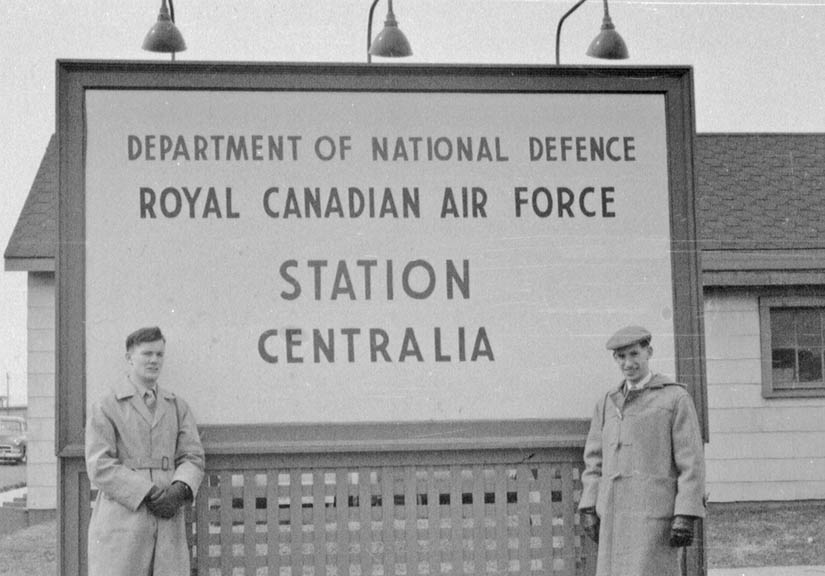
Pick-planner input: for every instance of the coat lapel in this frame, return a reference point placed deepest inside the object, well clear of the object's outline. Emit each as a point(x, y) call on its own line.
point(164, 406)
point(127, 391)
point(617, 397)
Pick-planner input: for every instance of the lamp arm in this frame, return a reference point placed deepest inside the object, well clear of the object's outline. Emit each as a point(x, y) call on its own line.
point(172, 16)
point(369, 31)
point(561, 21)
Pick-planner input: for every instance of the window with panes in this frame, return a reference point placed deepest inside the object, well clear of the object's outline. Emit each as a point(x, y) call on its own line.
point(793, 346)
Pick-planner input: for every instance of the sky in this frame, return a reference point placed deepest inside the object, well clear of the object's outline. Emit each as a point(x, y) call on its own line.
point(757, 66)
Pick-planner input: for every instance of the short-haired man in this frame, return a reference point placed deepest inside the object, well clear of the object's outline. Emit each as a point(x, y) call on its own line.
point(144, 455)
point(644, 477)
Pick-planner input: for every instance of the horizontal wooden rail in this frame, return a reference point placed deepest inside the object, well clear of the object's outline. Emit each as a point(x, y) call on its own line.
point(445, 499)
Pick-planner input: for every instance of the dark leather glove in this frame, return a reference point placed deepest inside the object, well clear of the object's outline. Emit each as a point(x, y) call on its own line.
point(165, 503)
point(590, 523)
point(154, 493)
point(681, 531)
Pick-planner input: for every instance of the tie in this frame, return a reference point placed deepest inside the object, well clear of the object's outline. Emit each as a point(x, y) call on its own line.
point(150, 399)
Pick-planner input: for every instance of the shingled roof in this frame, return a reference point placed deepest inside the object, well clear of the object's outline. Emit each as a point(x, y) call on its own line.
point(760, 209)
point(760, 206)
point(33, 243)
point(760, 191)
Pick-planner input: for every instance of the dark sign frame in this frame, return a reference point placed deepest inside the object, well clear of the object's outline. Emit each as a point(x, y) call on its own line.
point(75, 77)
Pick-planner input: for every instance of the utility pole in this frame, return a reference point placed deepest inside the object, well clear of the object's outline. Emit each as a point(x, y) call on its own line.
point(8, 398)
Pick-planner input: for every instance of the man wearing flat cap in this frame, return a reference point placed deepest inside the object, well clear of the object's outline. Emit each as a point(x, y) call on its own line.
point(644, 478)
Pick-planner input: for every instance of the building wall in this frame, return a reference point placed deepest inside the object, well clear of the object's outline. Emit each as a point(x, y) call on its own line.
point(760, 449)
point(42, 462)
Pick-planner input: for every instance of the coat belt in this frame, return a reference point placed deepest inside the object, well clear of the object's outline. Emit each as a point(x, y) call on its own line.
point(148, 463)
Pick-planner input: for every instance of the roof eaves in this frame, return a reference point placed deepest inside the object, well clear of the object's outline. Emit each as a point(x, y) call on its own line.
point(33, 243)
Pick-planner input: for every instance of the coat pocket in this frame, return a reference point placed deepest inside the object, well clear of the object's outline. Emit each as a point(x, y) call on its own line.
point(658, 496)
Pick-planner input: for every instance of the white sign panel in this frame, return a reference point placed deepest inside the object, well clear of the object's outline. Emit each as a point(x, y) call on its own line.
point(376, 256)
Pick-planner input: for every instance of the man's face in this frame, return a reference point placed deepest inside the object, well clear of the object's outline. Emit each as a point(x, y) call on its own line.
point(145, 361)
point(633, 361)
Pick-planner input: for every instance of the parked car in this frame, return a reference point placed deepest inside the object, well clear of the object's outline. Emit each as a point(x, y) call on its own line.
point(12, 439)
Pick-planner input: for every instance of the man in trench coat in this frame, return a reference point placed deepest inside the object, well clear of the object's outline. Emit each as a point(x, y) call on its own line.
point(144, 455)
point(644, 478)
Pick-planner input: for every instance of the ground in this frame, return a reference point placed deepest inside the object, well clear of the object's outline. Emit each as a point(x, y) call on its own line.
point(786, 534)
point(30, 551)
point(736, 535)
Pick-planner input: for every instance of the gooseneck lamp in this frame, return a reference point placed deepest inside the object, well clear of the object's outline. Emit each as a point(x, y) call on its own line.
point(390, 42)
point(164, 36)
point(607, 45)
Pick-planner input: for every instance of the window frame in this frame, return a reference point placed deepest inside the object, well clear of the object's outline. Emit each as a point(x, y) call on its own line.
point(766, 304)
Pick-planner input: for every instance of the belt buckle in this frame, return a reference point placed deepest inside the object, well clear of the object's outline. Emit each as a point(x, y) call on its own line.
point(164, 463)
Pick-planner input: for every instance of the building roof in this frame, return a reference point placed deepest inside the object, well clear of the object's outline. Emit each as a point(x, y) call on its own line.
point(760, 208)
point(33, 243)
point(760, 191)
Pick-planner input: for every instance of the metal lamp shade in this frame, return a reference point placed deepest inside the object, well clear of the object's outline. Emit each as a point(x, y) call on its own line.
point(608, 44)
point(391, 41)
point(164, 36)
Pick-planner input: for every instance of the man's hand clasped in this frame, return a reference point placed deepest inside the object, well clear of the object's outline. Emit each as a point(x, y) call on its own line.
point(164, 503)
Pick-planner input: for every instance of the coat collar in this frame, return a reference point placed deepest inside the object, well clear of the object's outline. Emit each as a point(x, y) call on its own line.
point(658, 381)
point(125, 390)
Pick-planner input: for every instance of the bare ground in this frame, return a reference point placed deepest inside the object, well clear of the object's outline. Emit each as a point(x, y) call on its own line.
point(786, 534)
point(31, 551)
point(773, 534)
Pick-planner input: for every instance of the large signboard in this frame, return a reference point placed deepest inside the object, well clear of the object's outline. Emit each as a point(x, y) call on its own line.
point(326, 247)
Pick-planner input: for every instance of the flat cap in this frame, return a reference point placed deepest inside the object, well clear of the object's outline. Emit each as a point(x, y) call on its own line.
point(628, 336)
